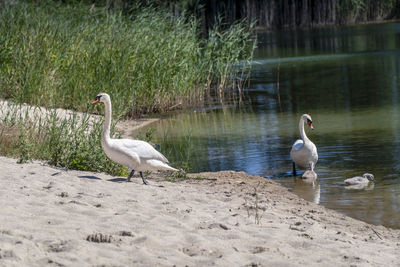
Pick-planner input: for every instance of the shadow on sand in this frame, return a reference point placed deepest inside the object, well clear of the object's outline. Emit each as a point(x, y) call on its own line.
point(118, 180)
point(89, 177)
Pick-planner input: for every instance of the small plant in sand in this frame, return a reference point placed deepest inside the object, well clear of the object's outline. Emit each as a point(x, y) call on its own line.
point(253, 207)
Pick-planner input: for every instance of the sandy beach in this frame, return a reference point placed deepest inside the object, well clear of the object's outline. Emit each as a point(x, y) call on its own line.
point(56, 217)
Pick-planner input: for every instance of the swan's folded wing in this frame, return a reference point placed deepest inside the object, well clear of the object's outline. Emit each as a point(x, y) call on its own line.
point(141, 148)
point(356, 180)
point(298, 144)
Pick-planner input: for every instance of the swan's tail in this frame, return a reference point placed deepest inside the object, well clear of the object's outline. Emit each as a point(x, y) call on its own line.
point(159, 165)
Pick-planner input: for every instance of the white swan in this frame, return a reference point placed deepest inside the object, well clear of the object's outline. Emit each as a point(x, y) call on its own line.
point(134, 154)
point(304, 153)
point(364, 180)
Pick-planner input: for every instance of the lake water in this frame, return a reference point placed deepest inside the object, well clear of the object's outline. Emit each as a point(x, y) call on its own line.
point(347, 79)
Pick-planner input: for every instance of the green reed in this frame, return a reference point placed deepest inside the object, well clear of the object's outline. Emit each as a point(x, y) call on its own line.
point(72, 142)
point(60, 55)
point(179, 153)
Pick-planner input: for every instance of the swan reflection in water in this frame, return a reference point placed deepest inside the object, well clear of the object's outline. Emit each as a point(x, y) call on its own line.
point(308, 188)
point(304, 184)
point(369, 186)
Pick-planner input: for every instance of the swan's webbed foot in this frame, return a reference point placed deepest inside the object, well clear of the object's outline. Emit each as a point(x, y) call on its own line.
point(130, 176)
point(143, 179)
point(294, 169)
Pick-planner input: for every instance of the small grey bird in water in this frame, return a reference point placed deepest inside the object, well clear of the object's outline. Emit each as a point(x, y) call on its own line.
point(365, 179)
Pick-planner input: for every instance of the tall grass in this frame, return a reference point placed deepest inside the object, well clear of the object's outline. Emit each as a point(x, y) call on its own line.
point(179, 153)
point(56, 54)
point(60, 55)
point(72, 142)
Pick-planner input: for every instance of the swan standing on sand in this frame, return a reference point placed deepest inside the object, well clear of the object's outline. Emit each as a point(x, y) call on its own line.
point(134, 154)
point(304, 153)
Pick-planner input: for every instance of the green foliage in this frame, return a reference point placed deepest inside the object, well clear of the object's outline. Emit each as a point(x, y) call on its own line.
point(25, 147)
point(181, 152)
point(149, 134)
point(222, 52)
point(71, 142)
point(58, 54)
point(176, 176)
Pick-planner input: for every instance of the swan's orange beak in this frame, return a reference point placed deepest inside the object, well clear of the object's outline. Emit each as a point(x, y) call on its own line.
point(310, 124)
point(95, 101)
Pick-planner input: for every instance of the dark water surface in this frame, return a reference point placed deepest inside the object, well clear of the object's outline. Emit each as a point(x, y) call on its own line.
point(347, 79)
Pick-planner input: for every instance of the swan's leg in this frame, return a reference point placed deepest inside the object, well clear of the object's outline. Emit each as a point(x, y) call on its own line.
point(130, 175)
point(294, 168)
point(143, 179)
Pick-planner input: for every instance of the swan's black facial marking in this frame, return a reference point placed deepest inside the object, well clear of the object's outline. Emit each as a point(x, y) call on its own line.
point(97, 99)
point(309, 122)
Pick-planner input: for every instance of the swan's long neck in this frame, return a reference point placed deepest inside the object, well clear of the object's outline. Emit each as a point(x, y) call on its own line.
point(302, 132)
point(107, 122)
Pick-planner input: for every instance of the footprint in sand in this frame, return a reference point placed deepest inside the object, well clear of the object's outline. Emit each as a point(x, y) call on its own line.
point(63, 194)
point(257, 250)
point(99, 238)
point(253, 264)
point(194, 251)
point(77, 202)
point(7, 254)
point(58, 246)
point(125, 233)
point(214, 226)
point(49, 186)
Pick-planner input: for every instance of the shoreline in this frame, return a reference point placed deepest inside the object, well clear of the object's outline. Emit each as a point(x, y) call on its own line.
point(37, 113)
point(128, 127)
point(61, 217)
point(52, 216)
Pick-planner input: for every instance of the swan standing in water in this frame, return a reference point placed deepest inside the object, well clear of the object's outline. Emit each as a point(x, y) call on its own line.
point(134, 154)
point(304, 153)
